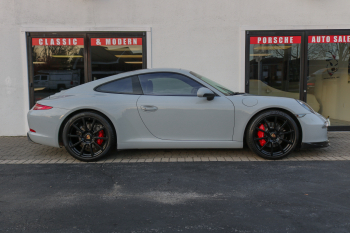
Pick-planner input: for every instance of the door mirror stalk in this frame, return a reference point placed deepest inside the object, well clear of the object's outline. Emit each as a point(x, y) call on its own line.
point(205, 92)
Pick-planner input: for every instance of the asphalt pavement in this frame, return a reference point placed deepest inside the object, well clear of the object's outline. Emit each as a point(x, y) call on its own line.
point(308, 196)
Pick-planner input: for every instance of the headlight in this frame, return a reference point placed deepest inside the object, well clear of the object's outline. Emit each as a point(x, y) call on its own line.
point(306, 106)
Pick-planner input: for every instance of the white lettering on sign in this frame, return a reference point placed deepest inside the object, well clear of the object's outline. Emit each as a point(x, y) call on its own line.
point(115, 41)
point(57, 41)
point(275, 40)
point(329, 39)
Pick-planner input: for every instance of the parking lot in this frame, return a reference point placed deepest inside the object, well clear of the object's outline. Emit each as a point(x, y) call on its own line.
point(17, 150)
point(42, 189)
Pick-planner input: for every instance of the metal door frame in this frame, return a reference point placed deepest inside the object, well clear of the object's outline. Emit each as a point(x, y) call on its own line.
point(87, 60)
point(303, 57)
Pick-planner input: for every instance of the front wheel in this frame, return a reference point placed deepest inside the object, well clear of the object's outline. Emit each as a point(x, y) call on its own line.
point(272, 134)
point(88, 136)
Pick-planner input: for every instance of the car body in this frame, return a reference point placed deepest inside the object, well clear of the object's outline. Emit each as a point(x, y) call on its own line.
point(142, 121)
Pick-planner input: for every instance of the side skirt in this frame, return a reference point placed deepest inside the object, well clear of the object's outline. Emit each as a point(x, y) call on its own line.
point(167, 144)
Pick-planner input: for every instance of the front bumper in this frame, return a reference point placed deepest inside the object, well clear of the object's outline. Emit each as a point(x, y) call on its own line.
point(306, 145)
point(313, 128)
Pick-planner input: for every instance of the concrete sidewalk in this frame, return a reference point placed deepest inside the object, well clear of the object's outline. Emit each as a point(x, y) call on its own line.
point(17, 150)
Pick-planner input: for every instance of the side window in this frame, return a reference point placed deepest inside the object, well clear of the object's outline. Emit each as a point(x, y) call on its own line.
point(130, 85)
point(43, 77)
point(168, 84)
point(36, 77)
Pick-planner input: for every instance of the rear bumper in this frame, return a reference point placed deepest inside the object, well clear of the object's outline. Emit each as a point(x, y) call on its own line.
point(306, 145)
point(46, 123)
point(30, 140)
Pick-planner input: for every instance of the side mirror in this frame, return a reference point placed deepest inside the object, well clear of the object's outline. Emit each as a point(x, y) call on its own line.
point(205, 92)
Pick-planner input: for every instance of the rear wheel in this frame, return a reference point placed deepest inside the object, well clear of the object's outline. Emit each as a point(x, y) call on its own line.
point(88, 136)
point(272, 134)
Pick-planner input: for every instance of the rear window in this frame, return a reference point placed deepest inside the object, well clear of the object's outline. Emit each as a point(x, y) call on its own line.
point(129, 85)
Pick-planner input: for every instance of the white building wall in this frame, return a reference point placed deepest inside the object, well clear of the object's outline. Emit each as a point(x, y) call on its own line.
point(200, 35)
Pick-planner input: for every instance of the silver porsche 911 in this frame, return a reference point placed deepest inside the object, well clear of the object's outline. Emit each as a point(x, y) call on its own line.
point(171, 108)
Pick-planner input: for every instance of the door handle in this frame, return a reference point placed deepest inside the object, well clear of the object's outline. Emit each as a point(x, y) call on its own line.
point(148, 108)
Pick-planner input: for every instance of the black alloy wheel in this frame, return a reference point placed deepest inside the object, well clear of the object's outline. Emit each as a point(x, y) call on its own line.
point(88, 136)
point(272, 134)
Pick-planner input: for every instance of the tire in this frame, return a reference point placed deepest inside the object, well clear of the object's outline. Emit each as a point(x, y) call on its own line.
point(278, 137)
point(88, 136)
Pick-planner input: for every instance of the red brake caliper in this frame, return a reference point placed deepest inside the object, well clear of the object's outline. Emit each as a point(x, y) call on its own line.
point(261, 135)
point(101, 134)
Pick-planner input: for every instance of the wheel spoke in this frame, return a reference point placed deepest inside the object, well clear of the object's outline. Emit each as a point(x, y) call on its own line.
point(280, 148)
point(275, 125)
point(92, 125)
point(271, 148)
point(82, 150)
point(103, 138)
point(267, 124)
point(77, 128)
point(91, 151)
point(263, 146)
point(98, 146)
point(257, 139)
point(98, 130)
point(283, 124)
point(289, 142)
point(262, 131)
point(287, 132)
point(75, 144)
point(84, 123)
point(73, 136)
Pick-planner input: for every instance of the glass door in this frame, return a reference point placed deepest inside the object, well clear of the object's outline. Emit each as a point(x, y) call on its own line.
point(328, 77)
point(56, 62)
point(62, 60)
point(274, 64)
point(112, 54)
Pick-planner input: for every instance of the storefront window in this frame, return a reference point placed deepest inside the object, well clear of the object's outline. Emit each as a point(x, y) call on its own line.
point(111, 56)
point(274, 66)
point(328, 77)
point(58, 64)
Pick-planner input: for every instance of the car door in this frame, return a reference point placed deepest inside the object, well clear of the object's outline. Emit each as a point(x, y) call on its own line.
point(171, 110)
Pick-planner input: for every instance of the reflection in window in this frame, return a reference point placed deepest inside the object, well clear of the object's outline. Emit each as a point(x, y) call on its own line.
point(110, 56)
point(58, 64)
point(168, 84)
point(328, 77)
point(274, 69)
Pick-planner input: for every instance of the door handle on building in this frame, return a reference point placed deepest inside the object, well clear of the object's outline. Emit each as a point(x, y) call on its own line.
point(148, 108)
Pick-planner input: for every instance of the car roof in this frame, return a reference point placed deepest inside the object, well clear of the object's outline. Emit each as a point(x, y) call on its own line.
point(151, 70)
point(86, 87)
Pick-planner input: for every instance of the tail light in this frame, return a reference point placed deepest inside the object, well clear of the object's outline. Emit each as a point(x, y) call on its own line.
point(41, 107)
point(71, 82)
point(32, 130)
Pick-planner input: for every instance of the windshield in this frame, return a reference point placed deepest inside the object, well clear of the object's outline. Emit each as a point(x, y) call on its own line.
point(217, 86)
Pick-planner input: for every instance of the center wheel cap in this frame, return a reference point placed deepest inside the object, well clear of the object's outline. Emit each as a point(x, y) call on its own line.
point(88, 137)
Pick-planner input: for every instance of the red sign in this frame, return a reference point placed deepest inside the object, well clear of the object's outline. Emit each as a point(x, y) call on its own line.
point(275, 40)
point(329, 39)
point(58, 41)
point(115, 41)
